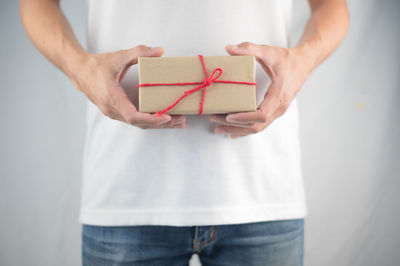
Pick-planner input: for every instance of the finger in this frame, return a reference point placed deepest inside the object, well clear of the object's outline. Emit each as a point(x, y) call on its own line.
point(262, 53)
point(247, 117)
point(244, 48)
point(128, 111)
point(121, 103)
point(142, 51)
point(129, 57)
point(265, 111)
point(145, 51)
point(177, 121)
point(166, 126)
point(223, 129)
point(271, 100)
point(221, 119)
point(235, 136)
point(151, 120)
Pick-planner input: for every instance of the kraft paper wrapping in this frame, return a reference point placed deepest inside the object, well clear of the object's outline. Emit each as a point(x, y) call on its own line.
point(220, 98)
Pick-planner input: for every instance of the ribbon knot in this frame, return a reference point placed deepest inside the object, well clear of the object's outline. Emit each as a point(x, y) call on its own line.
point(207, 82)
point(202, 85)
point(211, 79)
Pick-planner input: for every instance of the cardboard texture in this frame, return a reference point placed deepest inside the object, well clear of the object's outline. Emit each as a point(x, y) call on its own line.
point(220, 98)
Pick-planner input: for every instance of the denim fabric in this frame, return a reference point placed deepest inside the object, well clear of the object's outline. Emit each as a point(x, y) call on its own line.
point(272, 243)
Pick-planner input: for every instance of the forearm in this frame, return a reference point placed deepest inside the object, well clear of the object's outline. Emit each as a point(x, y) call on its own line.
point(324, 31)
point(51, 33)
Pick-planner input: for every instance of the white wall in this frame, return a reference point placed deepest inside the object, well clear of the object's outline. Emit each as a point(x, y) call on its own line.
point(350, 126)
point(349, 132)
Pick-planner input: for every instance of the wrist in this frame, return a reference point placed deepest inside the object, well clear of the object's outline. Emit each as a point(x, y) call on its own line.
point(308, 52)
point(78, 69)
point(74, 59)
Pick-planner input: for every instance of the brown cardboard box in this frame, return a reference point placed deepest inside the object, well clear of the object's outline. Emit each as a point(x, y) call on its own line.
point(219, 97)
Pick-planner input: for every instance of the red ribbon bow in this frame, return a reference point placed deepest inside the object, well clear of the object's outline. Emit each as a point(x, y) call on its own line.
point(202, 84)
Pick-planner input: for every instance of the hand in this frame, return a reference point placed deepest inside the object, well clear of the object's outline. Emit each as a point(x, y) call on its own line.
point(287, 69)
point(99, 77)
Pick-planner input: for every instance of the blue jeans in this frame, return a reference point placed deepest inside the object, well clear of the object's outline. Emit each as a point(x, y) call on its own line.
point(272, 243)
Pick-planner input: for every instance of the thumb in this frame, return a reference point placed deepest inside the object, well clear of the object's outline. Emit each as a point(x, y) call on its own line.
point(141, 51)
point(244, 48)
point(146, 51)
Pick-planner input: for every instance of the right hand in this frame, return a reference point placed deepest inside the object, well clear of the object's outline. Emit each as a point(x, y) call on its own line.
point(99, 78)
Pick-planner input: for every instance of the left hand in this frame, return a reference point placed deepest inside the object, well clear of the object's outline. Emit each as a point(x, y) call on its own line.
point(288, 69)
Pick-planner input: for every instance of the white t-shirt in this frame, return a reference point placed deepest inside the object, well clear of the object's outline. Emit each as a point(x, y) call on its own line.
point(192, 176)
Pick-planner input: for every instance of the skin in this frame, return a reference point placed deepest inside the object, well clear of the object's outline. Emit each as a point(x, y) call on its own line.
point(288, 68)
point(99, 76)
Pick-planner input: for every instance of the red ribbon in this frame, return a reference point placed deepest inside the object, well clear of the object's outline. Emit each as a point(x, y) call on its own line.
point(202, 84)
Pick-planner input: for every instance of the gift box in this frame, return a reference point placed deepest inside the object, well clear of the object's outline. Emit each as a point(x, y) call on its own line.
point(197, 84)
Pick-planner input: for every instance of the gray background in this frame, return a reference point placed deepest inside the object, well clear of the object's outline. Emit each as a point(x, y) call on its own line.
point(349, 132)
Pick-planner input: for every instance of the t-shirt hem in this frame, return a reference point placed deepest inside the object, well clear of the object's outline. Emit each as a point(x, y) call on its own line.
point(191, 217)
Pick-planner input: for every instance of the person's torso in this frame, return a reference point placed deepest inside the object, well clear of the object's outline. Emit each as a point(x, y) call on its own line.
point(126, 166)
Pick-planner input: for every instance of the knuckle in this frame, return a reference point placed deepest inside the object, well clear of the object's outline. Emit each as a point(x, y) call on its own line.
point(130, 120)
point(280, 111)
point(104, 101)
point(254, 129)
point(107, 111)
point(285, 96)
point(113, 116)
point(246, 45)
point(264, 46)
point(285, 52)
point(263, 118)
point(284, 105)
point(141, 47)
